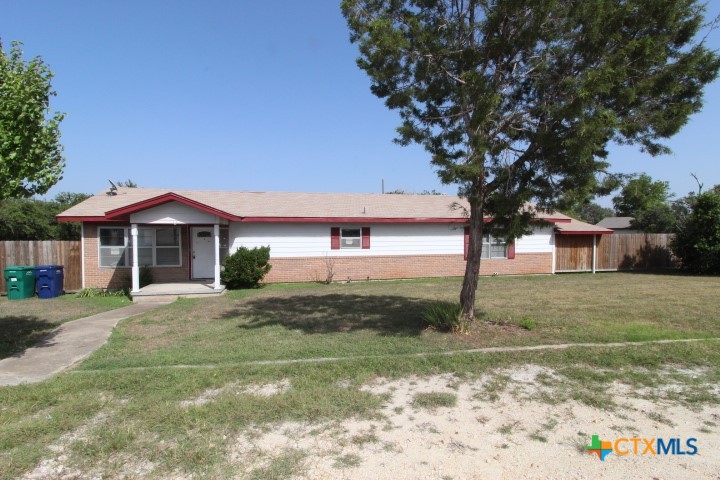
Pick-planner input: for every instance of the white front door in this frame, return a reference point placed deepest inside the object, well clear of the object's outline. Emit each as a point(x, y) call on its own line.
point(203, 252)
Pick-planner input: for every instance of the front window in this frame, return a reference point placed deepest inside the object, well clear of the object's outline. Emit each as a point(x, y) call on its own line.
point(224, 244)
point(350, 238)
point(157, 247)
point(493, 247)
point(113, 247)
point(167, 247)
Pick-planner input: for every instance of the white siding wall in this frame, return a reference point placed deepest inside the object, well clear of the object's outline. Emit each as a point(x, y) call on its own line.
point(313, 240)
point(541, 241)
point(173, 213)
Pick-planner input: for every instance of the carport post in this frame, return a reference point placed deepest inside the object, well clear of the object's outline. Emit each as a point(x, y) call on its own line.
point(135, 267)
point(594, 260)
point(217, 256)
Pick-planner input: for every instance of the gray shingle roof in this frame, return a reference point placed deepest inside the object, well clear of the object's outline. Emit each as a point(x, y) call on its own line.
point(615, 222)
point(244, 204)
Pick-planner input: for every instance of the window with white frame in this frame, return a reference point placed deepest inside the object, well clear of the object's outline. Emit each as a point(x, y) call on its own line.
point(113, 247)
point(157, 247)
point(494, 247)
point(350, 238)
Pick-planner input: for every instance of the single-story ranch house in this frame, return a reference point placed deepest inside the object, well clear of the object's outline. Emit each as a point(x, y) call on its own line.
point(184, 235)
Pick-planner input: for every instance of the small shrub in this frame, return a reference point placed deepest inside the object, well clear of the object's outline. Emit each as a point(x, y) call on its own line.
point(445, 317)
point(246, 268)
point(146, 276)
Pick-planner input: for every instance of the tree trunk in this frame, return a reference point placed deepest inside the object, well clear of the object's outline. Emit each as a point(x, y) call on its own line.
point(472, 267)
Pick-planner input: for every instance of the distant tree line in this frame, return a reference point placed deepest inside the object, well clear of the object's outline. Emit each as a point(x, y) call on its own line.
point(31, 219)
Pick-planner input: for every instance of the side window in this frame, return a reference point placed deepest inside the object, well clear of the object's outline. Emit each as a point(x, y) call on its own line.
point(350, 238)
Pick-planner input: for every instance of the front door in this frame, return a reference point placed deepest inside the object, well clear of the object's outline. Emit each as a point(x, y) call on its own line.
point(203, 252)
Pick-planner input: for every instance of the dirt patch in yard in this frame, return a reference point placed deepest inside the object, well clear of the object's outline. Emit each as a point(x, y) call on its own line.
point(510, 423)
point(509, 436)
point(259, 390)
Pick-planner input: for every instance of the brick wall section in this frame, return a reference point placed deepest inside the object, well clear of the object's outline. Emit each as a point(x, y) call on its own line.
point(97, 277)
point(311, 269)
point(401, 266)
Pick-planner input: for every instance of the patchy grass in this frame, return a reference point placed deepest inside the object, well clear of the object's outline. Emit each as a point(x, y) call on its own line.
point(287, 464)
point(196, 346)
point(348, 460)
point(527, 323)
point(432, 400)
point(24, 322)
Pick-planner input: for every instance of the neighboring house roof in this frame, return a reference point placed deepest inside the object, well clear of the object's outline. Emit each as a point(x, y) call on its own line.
point(281, 206)
point(615, 223)
point(576, 227)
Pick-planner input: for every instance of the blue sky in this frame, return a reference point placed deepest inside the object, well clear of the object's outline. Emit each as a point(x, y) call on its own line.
point(246, 95)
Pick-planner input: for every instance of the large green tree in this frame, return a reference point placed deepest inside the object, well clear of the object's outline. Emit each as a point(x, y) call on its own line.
point(31, 158)
point(516, 100)
point(640, 193)
point(648, 202)
point(697, 240)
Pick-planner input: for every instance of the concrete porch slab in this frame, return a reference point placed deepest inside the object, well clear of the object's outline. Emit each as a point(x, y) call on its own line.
point(172, 291)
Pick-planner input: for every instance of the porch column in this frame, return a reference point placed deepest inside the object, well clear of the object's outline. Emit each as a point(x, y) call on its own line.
point(135, 267)
point(217, 256)
point(594, 259)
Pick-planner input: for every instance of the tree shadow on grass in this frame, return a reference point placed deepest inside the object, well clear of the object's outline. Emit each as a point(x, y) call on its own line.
point(20, 332)
point(385, 314)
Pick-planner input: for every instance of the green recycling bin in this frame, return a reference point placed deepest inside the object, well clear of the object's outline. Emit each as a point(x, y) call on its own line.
point(20, 282)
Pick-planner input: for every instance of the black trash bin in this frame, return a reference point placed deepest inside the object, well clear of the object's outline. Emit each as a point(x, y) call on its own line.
point(49, 280)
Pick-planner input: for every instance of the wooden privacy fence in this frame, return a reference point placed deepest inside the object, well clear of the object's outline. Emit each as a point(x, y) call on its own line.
point(45, 252)
point(619, 251)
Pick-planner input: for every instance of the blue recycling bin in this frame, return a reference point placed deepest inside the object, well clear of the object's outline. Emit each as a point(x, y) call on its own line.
point(49, 280)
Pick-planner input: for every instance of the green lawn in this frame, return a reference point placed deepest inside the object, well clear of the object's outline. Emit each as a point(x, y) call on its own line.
point(141, 416)
point(377, 318)
point(24, 322)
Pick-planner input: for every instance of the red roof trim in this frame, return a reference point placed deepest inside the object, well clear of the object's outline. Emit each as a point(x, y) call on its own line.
point(166, 198)
point(349, 220)
point(593, 232)
point(374, 220)
point(124, 217)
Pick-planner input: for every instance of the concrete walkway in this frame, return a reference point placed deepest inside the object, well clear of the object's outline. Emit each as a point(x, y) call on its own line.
point(66, 346)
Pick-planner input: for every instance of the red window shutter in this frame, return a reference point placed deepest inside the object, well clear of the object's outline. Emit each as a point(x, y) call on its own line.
point(335, 238)
point(511, 251)
point(365, 237)
point(467, 242)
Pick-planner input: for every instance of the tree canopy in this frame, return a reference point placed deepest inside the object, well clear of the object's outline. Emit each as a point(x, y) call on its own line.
point(648, 202)
point(697, 240)
point(30, 219)
point(516, 101)
point(31, 158)
point(640, 193)
point(589, 212)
